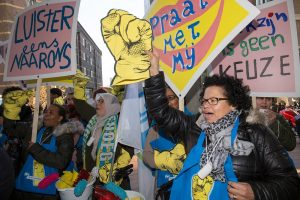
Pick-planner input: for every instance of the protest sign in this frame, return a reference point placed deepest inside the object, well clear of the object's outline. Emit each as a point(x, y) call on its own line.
point(188, 35)
point(265, 54)
point(43, 41)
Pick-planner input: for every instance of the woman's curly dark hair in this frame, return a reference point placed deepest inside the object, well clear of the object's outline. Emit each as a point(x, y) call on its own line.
point(236, 92)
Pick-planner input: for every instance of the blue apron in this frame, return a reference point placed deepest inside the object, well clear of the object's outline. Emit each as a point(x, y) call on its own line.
point(25, 178)
point(182, 185)
point(163, 144)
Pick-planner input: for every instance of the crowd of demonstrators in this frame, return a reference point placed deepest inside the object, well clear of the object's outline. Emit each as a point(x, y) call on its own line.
point(164, 152)
point(229, 157)
point(100, 135)
point(277, 123)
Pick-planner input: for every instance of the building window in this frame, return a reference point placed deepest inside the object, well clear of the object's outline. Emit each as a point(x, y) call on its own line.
point(83, 42)
point(91, 60)
point(83, 56)
point(84, 70)
point(91, 48)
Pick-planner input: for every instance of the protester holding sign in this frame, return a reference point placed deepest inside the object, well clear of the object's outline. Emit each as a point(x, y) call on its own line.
point(100, 135)
point(231, 158)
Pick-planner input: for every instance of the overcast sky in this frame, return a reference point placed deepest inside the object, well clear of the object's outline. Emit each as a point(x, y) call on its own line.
point(90, 14)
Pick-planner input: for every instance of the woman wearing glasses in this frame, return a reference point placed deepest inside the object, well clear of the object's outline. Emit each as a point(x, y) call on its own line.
point(229, 157)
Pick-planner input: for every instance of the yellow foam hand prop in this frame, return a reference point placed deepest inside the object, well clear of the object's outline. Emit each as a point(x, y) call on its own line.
point(171, 161)
point(13, 101)
point(59, 101)
point(127, 38)
point(79, 82)
point(67, 179)
point(201, 187)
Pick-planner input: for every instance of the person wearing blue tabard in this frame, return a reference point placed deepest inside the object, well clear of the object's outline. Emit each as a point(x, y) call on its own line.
point(163, 152)
point(230, 153)
point(50, 153)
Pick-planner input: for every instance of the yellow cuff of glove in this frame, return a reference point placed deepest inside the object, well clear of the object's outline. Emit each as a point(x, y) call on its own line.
point(80, 81)
point(59, 101)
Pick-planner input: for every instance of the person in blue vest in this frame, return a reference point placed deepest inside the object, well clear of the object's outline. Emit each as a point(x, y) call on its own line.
point(164, 153)
point(51, 152)
point(229, 156)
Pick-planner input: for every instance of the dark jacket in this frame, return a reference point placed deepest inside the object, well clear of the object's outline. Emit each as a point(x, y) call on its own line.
point(268, 169)
point(7, 177)
point(284, 132)
point(64, 142)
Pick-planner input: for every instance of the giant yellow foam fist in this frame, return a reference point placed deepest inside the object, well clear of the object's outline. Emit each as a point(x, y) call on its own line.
point(201, 187)
point(13, 101)
point(79, 82)
point(127, 38)
point(171, 161)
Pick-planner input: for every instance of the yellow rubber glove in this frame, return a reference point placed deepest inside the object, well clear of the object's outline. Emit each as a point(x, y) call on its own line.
point(127, 38)
point(13, 101)
point(80, 81)
point(59, 101)
point(104, 173)
point(67, 179)
point(118, 91)
point(171, 161)
point(201, 187)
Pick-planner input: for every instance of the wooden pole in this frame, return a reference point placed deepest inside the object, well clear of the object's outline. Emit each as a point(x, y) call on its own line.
point(181, 104)
point(36, 110)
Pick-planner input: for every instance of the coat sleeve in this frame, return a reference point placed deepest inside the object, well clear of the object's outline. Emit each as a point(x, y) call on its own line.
point(59, 159)
point(280, 179)
point(85, 110)
point(17, 128)
point(172, 120)
point(284, 132)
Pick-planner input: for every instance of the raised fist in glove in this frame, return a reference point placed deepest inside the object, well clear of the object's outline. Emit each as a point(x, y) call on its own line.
point(128, 38)
point(171, 161)
point(80, 81)
point(13, 101)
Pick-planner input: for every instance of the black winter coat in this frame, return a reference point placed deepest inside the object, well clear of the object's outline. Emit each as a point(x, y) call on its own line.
point(268, 169)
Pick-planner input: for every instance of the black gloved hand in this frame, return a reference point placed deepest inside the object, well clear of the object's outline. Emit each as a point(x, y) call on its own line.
point(123, 172)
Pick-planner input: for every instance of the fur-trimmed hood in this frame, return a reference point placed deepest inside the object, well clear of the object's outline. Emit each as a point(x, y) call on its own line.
point(73, 127)
point(257, 117)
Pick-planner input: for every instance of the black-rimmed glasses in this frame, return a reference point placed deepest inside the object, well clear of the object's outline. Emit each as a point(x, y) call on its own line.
point(211, 101)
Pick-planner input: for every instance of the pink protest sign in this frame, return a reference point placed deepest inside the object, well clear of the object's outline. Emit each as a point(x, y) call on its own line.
point(42, 43)
point(265, 53)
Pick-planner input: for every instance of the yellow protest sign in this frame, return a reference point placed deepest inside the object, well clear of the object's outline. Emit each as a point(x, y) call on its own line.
point(188, 35)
